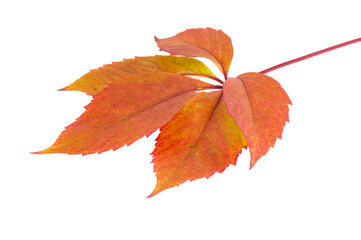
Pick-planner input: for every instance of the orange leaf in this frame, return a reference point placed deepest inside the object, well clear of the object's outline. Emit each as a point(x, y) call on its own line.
point(201, 139)
point(259, 106)
point(97, 80)
point(126, 111)
point(201, 132)
point(201, 42)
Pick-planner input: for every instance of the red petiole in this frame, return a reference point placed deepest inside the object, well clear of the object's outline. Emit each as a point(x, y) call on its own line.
point(298, 59)
point(310, 55)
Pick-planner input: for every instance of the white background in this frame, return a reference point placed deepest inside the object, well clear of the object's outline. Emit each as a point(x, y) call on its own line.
point(307, 187)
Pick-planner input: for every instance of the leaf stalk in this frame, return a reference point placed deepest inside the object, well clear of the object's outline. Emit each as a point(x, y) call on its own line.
point(310, 55)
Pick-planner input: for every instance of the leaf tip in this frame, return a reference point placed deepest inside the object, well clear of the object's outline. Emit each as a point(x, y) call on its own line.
point(155, 192)
point(160, 187)
point(156, 39)
point(254, 160)
point(150, 195)
point(251, 165)
point(45, 151)
point(63, 89)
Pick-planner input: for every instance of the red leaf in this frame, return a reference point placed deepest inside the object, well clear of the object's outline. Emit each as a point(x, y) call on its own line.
point(201, 132)
point(126, 111)
point(96, 80)
point(259, 105)
point(201, 139)
point(208, 43)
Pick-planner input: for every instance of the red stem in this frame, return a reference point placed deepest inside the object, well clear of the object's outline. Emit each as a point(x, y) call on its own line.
point(213, 87)
point(310, 55)
point(215, 79)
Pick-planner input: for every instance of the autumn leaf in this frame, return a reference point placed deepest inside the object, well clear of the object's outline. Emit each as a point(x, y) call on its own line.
point(207, 43)
point(212, 142)
point(203, 126)
point(97, 80)
point(259, 105)
point(127, 110)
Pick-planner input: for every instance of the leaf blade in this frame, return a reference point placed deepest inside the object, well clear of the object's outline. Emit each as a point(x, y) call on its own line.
point(259, 105)
point(212, 140)
point(125, 112)
point(98, 79)
point(201, 42)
